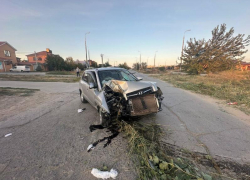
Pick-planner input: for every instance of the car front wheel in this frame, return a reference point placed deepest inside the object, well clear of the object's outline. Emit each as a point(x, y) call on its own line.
point(102, 119)
point(82, 98)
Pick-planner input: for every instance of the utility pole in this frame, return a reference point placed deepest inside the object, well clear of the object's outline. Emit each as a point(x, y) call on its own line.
point(140, 61)
point(86, 49)
point(102, 59)
point(89, 55)
point(154, 58)
point(183, 47)
point(35, 58)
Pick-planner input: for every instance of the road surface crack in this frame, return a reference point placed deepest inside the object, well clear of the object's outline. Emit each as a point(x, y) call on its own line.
point(196, 137)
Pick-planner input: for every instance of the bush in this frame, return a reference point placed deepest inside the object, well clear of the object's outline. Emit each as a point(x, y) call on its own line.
point(39, 68)
point(161, 68)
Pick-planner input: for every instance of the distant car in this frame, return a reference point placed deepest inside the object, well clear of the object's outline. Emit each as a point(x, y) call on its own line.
point(20, 69)
point(116, 91)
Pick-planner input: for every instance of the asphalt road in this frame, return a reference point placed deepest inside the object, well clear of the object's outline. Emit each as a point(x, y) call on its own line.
point(202, 124)
point(50, 140)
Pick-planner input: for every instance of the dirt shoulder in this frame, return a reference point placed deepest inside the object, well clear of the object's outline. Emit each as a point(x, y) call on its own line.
point(20, 101)
point(231, 86)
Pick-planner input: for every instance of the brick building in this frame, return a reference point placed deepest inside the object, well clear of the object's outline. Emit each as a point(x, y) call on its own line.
point(39, 58)
point(7, 56)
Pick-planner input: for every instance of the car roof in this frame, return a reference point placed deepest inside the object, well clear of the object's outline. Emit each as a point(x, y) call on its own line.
point(104, 69)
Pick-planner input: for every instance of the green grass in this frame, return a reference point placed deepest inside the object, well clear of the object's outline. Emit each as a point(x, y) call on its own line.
point(151, 161)
point(8, 91)
point(61, 73)
point(38, 78)
point(232, 86)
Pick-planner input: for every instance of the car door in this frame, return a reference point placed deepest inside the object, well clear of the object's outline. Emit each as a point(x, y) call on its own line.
point(92, 93)
point(84, 85)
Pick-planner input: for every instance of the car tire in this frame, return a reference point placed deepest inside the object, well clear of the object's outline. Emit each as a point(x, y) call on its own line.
point(21, 70)
point(102, 119)
point(82, 97)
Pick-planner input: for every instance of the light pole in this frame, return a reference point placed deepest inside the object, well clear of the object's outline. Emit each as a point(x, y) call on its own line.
point(183, 46)
point(102, 59)
point(86, 49)
point(154, 58)
point(136, 63)
point(140, 60)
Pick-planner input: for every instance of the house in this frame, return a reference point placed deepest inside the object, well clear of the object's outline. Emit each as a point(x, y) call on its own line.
point(39, 58)
point(7, 56)
point(245, 66)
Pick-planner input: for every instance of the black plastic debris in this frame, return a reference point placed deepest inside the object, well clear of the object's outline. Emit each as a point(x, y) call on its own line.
point(114, 129)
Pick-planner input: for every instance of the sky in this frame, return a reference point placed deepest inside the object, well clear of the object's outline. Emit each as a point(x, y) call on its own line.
point(118, 29)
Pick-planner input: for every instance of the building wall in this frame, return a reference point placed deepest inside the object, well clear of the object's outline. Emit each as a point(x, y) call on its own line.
point(12, 53)
point(7, 66)
point(31, 58)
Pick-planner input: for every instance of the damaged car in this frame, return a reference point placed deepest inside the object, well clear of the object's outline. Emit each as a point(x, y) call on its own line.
point(116, 92)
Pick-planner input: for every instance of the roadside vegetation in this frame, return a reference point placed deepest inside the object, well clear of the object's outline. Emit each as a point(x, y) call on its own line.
point(8, 91)
point(61, 73)
point(38, 78)
point(154, 160)
point(232, 86)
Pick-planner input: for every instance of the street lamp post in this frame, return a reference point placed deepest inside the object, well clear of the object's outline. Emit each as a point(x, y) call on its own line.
point(86, 49)
point(102, 59)
point(183, 47)
point(140, 60)
point(154, 58)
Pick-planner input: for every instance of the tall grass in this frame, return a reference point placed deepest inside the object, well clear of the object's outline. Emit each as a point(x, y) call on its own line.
point(232, 86)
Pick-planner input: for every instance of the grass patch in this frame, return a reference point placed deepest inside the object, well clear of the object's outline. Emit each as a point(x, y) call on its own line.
point(38, 78)
point(8, 91)
point(151, 160)
point(232, 86)
point(61, 73)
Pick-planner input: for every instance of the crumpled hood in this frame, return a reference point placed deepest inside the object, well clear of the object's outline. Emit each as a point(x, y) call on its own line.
point(130, 86)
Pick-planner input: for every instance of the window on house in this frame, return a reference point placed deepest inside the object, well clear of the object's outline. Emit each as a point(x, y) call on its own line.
point(39, 59)
point(7, 53)
point(34, 58)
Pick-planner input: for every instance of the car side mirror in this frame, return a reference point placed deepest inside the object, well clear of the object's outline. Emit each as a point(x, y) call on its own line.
point(91, 85)
point(139, 78)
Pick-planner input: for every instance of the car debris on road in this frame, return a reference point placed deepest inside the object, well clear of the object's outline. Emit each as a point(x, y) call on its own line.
point(104, 174)
point(6, 135)
point(81, 110)
point(115, 130)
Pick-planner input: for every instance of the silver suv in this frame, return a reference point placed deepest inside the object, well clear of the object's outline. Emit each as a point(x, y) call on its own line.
point(117, 92)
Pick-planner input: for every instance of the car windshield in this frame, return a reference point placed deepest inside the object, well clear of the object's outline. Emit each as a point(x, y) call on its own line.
point(122, 75)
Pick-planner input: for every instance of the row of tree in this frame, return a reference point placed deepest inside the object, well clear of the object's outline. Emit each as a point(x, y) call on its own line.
point(57, 63)
point(222, 52)
point(138, 66)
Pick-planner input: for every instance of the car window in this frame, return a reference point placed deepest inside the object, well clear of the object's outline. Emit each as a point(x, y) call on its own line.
point(84, 77)
point(90, 79)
